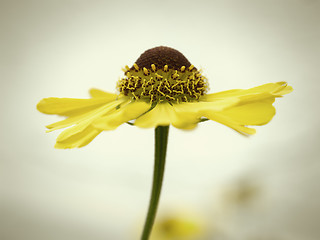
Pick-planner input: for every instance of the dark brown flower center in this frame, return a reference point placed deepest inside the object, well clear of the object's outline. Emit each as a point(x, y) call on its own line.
point(161, 56)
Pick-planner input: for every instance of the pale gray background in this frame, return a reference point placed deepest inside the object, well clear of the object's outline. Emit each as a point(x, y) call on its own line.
point(63, 48)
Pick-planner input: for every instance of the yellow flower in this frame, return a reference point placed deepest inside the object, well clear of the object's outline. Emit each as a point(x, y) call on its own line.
point(179, 226)
point(161, 88)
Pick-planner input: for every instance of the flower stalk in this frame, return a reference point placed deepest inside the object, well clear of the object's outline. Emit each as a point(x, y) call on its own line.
point(161, 140)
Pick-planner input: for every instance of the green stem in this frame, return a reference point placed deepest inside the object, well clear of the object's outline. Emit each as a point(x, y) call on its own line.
point(161, 140)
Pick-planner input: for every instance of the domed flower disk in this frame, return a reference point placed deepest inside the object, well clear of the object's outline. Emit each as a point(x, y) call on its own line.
point(161, 88)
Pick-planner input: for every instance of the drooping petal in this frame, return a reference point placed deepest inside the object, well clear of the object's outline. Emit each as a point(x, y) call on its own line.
point(78, 140)
point(184, 116)
point(87, 116)
point(82, 123)
point(67, 122)
point(217, 117)
point(258, 113)
point(72, 106)
point(124, 114)
point(163, 114)
point(253, 106)
point(238, 117)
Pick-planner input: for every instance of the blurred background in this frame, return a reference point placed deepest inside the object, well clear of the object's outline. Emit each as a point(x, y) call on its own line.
point(218, 185)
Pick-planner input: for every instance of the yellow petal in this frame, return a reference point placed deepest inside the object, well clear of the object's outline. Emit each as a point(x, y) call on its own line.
point(87, 119)
point(222, 95)
point(258, 113)
point(240, 116)
point(270, 89)
point(230, 123)
point(123, 114)
point(285, 90)
point(78, 140)
point(68, 121)
point(253, 106)
point(277, 89)
point(215, 105)
point(71, 106)
point(97, 93)
point(83, 117)
point(163, 114)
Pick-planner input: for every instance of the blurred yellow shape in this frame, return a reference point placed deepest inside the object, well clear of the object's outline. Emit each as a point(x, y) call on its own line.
point(178, 226)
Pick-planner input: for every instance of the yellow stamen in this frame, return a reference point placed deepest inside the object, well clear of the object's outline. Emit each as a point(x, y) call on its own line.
point(136, 66)
point(146, 72)
point(153, 67)
point(175, 75)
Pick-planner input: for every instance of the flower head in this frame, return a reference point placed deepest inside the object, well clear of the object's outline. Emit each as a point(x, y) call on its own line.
point(161, 88)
